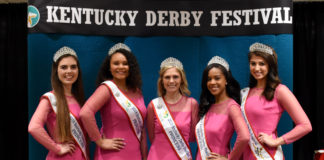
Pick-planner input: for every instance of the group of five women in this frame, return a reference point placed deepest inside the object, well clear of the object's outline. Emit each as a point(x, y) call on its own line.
point(173, 119)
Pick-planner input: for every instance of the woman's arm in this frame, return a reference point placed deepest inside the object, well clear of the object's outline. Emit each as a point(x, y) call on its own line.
point(144, 145)
point(242, 132)
point(36, 126)
point(194, 119)
point(150, 122)
point(289, 102)
point(87, 114)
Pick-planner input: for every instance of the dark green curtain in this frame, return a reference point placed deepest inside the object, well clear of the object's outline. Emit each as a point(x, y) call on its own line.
point(13, 82)
point(309, 73)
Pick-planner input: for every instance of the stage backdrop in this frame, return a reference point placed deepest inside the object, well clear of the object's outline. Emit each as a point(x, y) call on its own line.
point(222, 29)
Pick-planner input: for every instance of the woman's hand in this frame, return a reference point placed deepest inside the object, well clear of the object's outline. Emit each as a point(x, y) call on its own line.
point(111, 144)
point(215, 156)
point(269, 141)
point(68, 147)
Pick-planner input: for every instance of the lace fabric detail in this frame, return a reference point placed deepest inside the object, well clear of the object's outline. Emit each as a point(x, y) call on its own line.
point(71, 100)
point(181, 105)
point(221, 108)
point(256, 92)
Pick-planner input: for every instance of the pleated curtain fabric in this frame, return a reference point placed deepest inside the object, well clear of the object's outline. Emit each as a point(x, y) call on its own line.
point(309, 73)
point(13, 82)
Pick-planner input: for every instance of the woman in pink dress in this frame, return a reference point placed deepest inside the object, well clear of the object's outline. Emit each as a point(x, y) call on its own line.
point(61, 117)
point(220, 114)
point(119, 99)
point(171, 132)
point(263, 104)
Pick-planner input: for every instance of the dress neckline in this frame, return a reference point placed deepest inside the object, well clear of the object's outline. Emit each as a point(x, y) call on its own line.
point(175, 102)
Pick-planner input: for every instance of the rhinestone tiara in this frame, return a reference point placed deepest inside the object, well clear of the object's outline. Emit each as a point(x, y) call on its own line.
point(118, 46)
point(261, 48)
point(64, 51)
point(171, 62)
point(219, 60)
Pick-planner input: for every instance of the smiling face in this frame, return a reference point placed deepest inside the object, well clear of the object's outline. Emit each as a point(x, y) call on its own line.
point(68, 71)
point(171, 80)
point(259, 68)
point(119, 67)
point(216, 82)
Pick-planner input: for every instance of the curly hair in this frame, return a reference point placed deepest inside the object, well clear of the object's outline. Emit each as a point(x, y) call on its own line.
point(272, 78)
point(133, 80)
point(207, 99)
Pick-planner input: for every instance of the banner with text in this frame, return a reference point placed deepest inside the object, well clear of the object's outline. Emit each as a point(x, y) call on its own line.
point(160, 18)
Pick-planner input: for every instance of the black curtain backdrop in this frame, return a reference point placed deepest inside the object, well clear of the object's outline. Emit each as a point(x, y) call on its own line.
point(13, 82)
point(309, 73)
point(308, 77)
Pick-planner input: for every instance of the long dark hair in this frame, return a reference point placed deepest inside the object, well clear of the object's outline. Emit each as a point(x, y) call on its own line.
point(207, 99)
point(134, 79)
point(63, 112)
point(272, 78)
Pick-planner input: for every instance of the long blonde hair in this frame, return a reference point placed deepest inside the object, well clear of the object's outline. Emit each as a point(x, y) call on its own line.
point(63, 112)
point(183, 86)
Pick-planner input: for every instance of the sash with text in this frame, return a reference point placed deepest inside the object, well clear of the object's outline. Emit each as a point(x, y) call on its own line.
point(170, 129)
point(131, 110)
point(76, 130)
point(259, 151)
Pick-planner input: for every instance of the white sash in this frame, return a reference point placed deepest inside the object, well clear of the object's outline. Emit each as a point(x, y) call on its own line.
point(76, 130)
point(170, 129)
point(131, 110)
point(257, 149)
point(201, 139)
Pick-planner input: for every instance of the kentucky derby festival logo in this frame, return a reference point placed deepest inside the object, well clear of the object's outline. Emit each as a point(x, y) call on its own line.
point(128, 104)
point(165, 114)
point(33, 16)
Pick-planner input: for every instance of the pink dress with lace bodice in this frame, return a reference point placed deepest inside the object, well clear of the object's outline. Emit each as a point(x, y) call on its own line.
point(44, 114)
point(264, 116)
point(184, 113)
point(221, 121)
point(115, 123)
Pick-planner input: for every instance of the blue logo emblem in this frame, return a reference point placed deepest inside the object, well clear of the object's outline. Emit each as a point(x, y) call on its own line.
point(33, 16)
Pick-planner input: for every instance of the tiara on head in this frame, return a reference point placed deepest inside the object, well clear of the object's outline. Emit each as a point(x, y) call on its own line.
point(118, 46)
point(219, 60)
point(261, 48)
point(171, 62)
point(64, 51)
